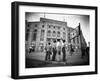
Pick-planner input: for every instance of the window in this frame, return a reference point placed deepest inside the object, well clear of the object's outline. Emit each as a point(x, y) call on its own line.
point(49, 26)
point(48, 39)
point(76, 40)
point(54, 27)
point(49, 33)
point(73, 40)
point(35, 30)
point(42, 26)
point(34, 35)
point(58, 27)
point(42, 35)
point(64, 35)
point(73, 34)
point(42, 32)
point(54, 33)
point(58, 34)
point(28, 25)
point(69, 40)
point(35, 25)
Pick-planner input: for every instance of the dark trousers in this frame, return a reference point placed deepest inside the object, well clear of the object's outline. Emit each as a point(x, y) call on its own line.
point(30, 50)
point(64, 56)
point(64, 53)
point(83, 53)
point(47, 57)
point(59, 52)
point(54, 56)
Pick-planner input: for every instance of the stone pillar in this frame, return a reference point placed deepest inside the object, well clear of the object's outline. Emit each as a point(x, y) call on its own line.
point(30, 37)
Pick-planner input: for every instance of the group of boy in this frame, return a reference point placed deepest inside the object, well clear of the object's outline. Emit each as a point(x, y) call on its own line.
point(57, 47)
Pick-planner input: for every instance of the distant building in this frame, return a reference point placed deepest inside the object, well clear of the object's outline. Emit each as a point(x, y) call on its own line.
point(76, 38)
point(46, 30)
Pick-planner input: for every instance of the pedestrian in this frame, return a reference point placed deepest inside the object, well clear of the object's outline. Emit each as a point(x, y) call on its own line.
point(83, 52)
point(71, 50)
point(59, 50)
point(87, 51)
point(48, 52)
point(54, 51)
point(64, 51)
point(30, 49)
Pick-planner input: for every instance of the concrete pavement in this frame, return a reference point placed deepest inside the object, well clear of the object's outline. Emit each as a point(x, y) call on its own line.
point(74, 59)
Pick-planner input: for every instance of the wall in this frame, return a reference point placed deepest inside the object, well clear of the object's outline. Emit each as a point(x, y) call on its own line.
point(5, 41)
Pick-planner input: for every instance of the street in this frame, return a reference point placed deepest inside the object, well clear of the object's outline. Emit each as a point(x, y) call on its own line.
point(37, 59)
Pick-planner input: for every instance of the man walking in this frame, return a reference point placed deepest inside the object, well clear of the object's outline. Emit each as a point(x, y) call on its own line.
point(54, 51)
point(71, 50)
point(59, 48)
point(48, 52)
point(64, 51)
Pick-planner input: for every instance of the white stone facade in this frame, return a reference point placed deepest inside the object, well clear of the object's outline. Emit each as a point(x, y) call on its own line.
point(48, 30)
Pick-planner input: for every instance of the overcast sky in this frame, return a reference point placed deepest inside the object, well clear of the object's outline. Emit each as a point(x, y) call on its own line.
point(72, 20)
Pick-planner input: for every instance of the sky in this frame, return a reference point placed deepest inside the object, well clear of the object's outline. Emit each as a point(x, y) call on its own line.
point(72, 20)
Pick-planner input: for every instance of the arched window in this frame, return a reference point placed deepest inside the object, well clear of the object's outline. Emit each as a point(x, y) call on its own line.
point(34, 34)
point(35, 30)
point(64, 28)
point(74, 40)
point(42, 35)
point(54, 27)
point(49, 26)
point(49, 33)
point(35, 25)
point(64, 35)
point(58, 27)
point(42, 26)
point(58, 34)
point(54, 33)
